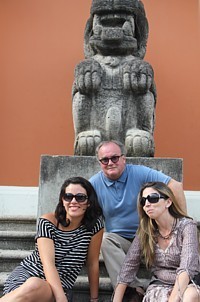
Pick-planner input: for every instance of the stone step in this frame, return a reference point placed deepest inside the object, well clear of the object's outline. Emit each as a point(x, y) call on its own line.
point(9, 259)
point(3, 277)
point(13, 223)
point(102, 268)
point(18, 240)
point(81, 289)
point(142, 273)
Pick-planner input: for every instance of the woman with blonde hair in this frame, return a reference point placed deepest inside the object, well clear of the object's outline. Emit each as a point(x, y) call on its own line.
point(167, 241)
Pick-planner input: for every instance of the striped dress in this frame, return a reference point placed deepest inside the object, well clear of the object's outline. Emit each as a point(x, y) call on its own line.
point(70, 254)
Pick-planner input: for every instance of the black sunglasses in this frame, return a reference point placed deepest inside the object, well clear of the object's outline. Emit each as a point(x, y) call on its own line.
point(79, 197)
point(153, 198)
point(114, 159)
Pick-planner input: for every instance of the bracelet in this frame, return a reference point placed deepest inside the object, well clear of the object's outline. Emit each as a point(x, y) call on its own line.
point(94, 299)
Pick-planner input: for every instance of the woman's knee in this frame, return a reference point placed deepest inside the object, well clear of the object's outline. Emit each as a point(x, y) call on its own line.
point(35, 283)
point(108, 240)
point(34, 287)
point(112, 240)
point(191, 294)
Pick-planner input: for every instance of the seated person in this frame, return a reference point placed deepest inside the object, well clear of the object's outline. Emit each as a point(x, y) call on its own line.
point(65, 240)
point(168, 242)
point(117, 186)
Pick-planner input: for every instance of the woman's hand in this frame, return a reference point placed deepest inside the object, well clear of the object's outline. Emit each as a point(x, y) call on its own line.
point(179, 288)
point(119, 292)
point(174, 299)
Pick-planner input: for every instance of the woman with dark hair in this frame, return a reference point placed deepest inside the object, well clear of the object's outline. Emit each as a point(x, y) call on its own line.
point(64, 241)
point(167, 241)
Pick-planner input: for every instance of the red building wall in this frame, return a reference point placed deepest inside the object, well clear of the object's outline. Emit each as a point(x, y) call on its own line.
point(41, 43)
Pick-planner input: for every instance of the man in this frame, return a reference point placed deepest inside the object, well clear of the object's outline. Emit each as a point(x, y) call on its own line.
point(117, 187)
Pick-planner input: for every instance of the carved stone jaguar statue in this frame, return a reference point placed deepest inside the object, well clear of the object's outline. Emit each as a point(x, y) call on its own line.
point(114, 94)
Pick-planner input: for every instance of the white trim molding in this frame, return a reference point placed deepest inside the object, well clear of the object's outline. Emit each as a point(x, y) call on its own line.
point(193, 204)
point(18, 202)
point(23, 202)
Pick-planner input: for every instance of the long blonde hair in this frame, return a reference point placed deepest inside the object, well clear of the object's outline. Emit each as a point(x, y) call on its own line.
point(147, 226)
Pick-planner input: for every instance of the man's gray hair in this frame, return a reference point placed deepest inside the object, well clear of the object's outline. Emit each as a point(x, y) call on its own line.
point(119, 144)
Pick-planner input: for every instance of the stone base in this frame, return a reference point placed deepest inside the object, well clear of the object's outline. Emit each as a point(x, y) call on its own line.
point(55, 169)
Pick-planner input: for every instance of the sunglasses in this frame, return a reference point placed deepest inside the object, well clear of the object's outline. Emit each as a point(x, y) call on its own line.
point(153, 198)
point(114, 159)
point(79, 197)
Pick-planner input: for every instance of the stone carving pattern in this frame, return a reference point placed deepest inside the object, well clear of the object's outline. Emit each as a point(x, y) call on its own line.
point(114, 94)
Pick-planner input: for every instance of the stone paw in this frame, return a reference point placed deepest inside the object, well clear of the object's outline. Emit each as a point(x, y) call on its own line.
point(86, 143)
point(139, 143)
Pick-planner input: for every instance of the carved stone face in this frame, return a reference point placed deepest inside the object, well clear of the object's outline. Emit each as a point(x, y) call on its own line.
point(116, 27)
point(113, 34)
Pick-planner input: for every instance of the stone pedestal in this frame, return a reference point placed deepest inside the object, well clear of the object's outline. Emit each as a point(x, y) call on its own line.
point(55, 169)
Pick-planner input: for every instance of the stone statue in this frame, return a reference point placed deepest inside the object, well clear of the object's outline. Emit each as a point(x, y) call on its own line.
point(114, 94)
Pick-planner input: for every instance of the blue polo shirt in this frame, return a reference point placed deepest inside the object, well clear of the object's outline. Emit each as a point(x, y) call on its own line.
point(118, 198)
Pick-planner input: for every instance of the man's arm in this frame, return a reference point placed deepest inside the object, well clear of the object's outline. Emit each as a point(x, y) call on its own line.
point(177, 189)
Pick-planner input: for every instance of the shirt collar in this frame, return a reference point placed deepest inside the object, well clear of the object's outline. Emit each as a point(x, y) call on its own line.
point(122, 178)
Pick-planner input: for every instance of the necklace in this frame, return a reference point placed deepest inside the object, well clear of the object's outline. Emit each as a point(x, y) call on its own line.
point(169, 235)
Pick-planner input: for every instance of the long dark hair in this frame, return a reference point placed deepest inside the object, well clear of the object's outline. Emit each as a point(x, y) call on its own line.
point(93, 211)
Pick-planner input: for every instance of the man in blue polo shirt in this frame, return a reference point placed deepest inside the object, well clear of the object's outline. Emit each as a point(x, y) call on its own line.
point(117, 187)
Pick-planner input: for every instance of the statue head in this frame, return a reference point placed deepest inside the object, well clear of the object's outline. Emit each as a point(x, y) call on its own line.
point(116, 27)
point(129, 6)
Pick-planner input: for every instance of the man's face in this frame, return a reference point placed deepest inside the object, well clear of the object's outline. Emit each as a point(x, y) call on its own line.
point(112, 170)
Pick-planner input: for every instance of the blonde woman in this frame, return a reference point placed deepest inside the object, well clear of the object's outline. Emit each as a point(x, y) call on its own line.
point(167, 241)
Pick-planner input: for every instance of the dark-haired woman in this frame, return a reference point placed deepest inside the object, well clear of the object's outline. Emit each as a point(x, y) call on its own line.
point(168, 242)
point(64, 241)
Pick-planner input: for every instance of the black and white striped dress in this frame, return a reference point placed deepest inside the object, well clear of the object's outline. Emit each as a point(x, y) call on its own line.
point(70, 254)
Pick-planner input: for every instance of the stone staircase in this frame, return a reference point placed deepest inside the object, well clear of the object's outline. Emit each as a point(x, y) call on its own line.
point(17, 241)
